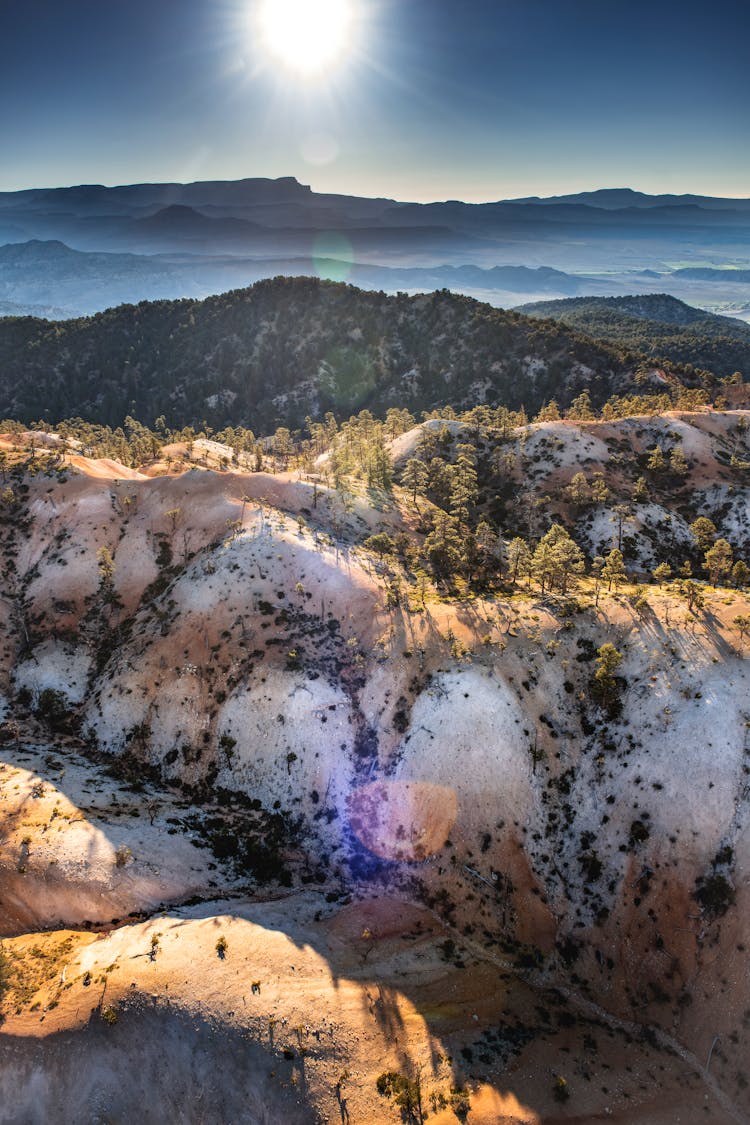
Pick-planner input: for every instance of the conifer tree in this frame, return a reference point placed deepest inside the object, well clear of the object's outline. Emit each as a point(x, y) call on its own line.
point(580, 408)
point(444, 546)
point(704, 532)
point(519, 559)
point(740, 574)
point(613, 571)
point(718, 561)
point(415, 477)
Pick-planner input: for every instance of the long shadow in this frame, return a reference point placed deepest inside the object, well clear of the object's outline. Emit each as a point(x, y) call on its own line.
point(434, 1003)
point(154, 1065)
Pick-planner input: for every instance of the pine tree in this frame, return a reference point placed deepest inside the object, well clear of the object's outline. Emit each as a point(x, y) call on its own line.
point(613, 571)
point(439, 480)
point(704, 532)
point(549, 413)
point(678, 462)
point(415, 477)
point(463, 489)
point(578, 491)
point(718, 561)
point(656, 462)
point(444, 546)
point(742, 625)
point(604, 685)
point(519, 559)
point(740, 574)
point(640, 491)
point(485, 549)
point(580, 408)
point(599, 489)
point(556, 559)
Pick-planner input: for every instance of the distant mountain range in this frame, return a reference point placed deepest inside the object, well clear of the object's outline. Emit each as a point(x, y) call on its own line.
point(659, 326)
point(615, 199)
point(154, 241)
point(36, 274)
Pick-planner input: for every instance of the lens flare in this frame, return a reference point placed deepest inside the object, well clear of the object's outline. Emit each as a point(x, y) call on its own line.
point(402, 821)
point(333, 256)
point(306, 36)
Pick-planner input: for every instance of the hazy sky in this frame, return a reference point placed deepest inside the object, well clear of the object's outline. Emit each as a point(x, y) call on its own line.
point(479, 99)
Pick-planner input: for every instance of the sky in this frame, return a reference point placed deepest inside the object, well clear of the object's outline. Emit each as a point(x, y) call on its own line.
point(428, 99)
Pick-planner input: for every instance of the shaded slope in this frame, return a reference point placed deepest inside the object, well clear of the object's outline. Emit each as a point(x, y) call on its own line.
point(656, 325)
point(291, 347)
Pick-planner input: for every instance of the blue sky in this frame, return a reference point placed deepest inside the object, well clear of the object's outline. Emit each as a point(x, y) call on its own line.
point(438, 99)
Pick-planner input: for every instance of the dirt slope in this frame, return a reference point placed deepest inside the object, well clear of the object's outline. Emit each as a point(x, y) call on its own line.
point(448, 826)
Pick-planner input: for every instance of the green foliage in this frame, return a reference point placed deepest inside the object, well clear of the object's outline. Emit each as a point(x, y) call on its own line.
point(718, 561)
point(578, 491)
point(414, 477)
point(640, 491)
point(519, 559)
point(106, 567)
point(740, 574)
point(704, 532)
point(657, 462)
point(580, 408)
point(549, 413)
point(556, 560)
point(659, 327)
point(380, 543)
point(287, 348)
point(662, 573)
point(444, 545)
point(714, 893)
point(693, 594)
point(604, 685)
point(405, 1092)
point(613, 570)
point(53, 707)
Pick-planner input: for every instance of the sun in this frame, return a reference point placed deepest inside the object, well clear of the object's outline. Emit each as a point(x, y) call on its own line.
point(307, 37)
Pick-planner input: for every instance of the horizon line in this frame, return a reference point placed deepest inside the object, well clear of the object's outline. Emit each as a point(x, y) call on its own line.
point(392, 198)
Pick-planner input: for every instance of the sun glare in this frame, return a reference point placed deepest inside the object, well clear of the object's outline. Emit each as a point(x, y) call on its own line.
point(306, 36)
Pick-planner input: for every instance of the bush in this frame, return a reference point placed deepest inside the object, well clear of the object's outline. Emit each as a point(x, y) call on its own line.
point(715, 894)
point(405, 1092)
point(53, 707)
point(605, 685)
point(380, 543)
point(561, 1092)
point(123, 856)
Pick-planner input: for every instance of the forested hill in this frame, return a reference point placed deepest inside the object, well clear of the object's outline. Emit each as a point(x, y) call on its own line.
point(659, 326)
point(286, 348)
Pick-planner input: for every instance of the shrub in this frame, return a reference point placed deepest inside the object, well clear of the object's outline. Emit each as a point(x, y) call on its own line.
point(561, 1092)
point(714, 893)
point(52, 706)
point(405, 1092)
point(123, 856)
point(605, 685)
